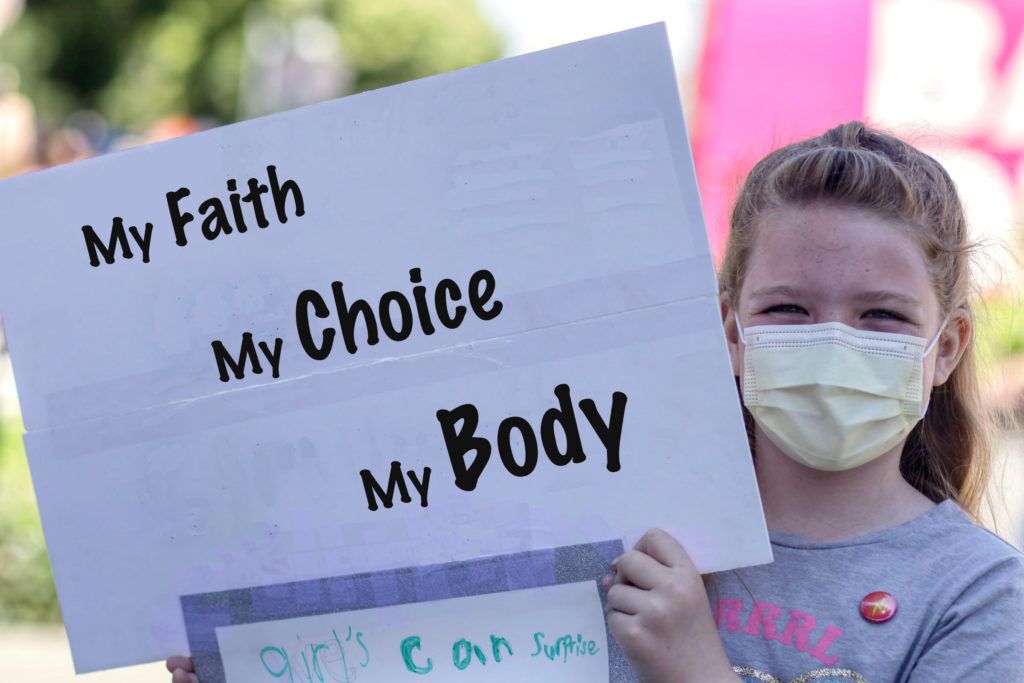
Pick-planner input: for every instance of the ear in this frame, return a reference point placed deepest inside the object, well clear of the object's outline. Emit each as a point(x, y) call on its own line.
point(732, 334)
point(951, 345)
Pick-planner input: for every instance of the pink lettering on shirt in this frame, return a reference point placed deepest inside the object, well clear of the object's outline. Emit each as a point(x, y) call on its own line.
point(821, 649)
point(729, 613)
point(764, 619)
point(800, 625)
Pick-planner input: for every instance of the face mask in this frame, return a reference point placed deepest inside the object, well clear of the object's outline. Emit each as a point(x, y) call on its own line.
point(830, 396)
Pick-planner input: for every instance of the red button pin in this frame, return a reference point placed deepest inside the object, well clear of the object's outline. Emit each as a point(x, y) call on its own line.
point(878, 607)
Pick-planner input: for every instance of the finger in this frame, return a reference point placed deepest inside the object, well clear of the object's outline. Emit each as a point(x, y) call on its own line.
point(664, 548)
point(180, 662)
point(182, 676)
point(623, 627)
point(627, 599)
point(617, 621)
point(639, 569)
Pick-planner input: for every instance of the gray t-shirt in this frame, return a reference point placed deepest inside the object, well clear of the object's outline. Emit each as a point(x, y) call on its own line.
point(959, 591)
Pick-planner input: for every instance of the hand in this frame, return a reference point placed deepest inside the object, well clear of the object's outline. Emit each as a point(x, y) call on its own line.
point(182, 670)
point(658, 612)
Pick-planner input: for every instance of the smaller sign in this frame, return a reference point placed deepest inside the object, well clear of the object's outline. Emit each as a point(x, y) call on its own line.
point(535, 616)
point(555, 633)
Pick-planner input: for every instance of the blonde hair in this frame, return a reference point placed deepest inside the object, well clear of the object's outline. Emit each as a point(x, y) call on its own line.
point(948, 453)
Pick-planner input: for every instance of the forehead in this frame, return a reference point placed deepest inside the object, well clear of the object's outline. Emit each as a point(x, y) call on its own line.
point(825, 248)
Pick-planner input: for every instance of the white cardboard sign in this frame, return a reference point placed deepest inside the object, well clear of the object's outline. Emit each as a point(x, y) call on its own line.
point(496, 278)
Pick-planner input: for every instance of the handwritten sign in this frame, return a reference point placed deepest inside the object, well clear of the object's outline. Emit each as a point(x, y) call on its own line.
point(555, 634)
point(466, 315)
point(340, 628)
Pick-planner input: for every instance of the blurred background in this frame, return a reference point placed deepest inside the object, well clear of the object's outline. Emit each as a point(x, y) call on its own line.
point(79, 79)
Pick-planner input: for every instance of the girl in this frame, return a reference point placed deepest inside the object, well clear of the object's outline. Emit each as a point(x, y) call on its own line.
point(845, 298)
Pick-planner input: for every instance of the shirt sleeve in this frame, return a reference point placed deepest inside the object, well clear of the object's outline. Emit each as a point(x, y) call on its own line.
point(981, 635)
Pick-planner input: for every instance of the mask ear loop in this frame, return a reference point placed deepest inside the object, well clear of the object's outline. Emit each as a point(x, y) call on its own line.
point(739, 328)
point(935, 340)
point(743, 338)
point(924, 354)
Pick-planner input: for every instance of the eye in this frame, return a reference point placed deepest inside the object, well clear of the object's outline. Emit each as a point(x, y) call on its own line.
point(785, 308)
point(885, 314)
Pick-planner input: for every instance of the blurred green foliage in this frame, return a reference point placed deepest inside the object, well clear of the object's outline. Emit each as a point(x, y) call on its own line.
point(135, 61)
point(26, 585)
point(1001, 329)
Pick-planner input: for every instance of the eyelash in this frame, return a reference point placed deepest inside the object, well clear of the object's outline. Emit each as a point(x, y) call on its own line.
point(885, 313)
point(888, 314)
point(778, 308)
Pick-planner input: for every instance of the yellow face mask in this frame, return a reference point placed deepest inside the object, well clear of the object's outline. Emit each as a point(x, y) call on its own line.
point(830, 396)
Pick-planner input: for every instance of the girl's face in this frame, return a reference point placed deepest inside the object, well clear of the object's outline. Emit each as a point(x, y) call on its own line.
point(825, 263)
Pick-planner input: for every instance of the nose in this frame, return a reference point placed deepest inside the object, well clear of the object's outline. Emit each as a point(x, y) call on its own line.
point(836, 314)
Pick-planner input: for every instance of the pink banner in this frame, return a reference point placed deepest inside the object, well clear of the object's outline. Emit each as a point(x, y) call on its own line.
point(949, 74)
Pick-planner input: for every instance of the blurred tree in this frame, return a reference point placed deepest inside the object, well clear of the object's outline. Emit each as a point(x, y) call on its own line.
point(136, 61)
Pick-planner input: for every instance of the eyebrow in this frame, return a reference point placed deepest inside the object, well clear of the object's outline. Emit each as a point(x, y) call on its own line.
point(880, 295)
point(870, 296)
point(779, 290)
